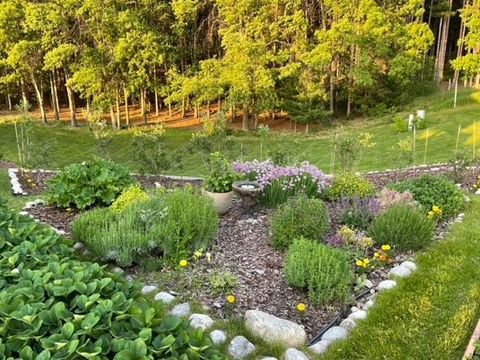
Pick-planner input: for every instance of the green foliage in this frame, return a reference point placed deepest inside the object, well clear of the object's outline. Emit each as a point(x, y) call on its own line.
point(222, 282)
point(431, 191)
point(299, 217)
point(173, 223)
point(283, 149)
point(307, 113)
point(347, 147)
point(220, 174)
point(404, 227)
point(129, 196)
point(359, 213)
point(400, 125)
point(56, 307)
point(460, 163)
point(405, 151)
point(150, 152)
point(326, 272)
point(349, 185)
point(93, 183)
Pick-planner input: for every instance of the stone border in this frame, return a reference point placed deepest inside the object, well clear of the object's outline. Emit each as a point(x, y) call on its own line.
point(14, 182)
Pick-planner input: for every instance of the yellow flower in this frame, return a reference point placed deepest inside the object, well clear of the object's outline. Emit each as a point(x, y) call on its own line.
point(198, 254)
point(376, 255)
point(430, 214)
point(366, 261)
point(435, 209)
point(69, 209)
point(231, 299)
point(208, 255)
point(386, 247)
point(301, 307)
point(368, 241)
point(183, 263)
point(359, 263)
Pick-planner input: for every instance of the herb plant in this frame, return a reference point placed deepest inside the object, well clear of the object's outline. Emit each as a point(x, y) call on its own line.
point(221, 177)
point(349, 185)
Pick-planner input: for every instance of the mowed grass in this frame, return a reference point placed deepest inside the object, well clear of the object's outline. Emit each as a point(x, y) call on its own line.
point(430, 315)
point(76, 145)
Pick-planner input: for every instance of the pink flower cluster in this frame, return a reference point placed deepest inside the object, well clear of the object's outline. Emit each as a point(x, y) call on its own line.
point(266, 173)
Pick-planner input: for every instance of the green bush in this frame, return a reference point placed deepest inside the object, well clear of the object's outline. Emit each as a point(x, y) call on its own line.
point(431, 190)
point(326, 272)
point(174, 223)
point(129, 196)
point(348, 185)
point(220, 174)
point(92, 183)
point(402, 226)
point(299, 216)
point(55, 307)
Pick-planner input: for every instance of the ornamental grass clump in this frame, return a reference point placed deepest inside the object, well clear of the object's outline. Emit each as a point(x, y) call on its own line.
point(431, 191)
point(283, 182)
point(326, 272)
point(172, 223)
point(299, 216)
point(403, 227)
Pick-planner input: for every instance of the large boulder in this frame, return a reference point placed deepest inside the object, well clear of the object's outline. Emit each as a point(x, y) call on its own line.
point(272, 329)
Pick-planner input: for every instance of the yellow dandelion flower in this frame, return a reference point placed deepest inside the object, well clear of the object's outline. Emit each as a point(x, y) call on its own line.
point(359, 263)
point(386, 247)
point(301, 307)
point(376, 255)
point(183, 263)
point(231, 299)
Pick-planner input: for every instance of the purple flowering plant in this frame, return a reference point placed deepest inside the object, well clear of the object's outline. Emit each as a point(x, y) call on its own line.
point(282, 182)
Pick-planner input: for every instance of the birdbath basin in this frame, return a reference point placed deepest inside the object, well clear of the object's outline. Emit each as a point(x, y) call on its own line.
point(248, 191)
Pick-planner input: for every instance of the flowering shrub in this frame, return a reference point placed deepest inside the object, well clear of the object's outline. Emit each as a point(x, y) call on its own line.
point(129, 196)
point(435, 213)
point(359, 213)
point(381, 257)
point(387, 198)
point(348, 185)
point(346, 236)
point(283, 182)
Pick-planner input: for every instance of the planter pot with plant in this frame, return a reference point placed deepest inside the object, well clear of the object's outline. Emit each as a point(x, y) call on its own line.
point(218, 184)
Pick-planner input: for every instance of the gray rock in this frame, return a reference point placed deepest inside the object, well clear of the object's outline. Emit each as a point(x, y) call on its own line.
point(118, 270)
point(320, 347)
point(268, 358)
point(368, 284)
point(129, 278)
point(148, 289)
point(274, 330)
point(399, 272)
point(368, 304)
point(409, 265)
point(218, 337)
point(348, 324)
point(201, 321)
point(181, 310)
point(354, 308)
point(294, 354)
point(386, 285)
point(240, 348)
point(24, 213)
point(358, 315)
point(164, 297)
point(335, 333)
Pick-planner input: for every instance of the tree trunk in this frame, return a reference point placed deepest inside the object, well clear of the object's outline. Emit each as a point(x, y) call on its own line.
point(157, 109)
point(117, 109)
point(53, 101)
point(195, 111)
point(57, 102)
point(306, 129)
point(41, 106)
point(183, 108)
point(9, 101)
point(234, 113)
point(112, 116)
point(71, 101)
point(88, 104)
point(208, 110)
point(143, 106)
point(170, 110)
point(442, 49)
point(127, 112)
point(24, 93)
point(246, 118)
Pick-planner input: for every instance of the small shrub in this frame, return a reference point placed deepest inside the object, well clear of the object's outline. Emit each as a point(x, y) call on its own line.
point(300, 216)
point(400, 125)
point(348, 185)
point(173, 223)
point(432, 191)
point(359, 213)
point(93, 183)
point(351, 238)
point(326, 272)
point(387, 198)
point(128, 197)
point(221, 177)
point(404, 227)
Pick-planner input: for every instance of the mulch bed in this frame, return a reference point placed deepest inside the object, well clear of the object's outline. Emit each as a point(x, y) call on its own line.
point(4, 164)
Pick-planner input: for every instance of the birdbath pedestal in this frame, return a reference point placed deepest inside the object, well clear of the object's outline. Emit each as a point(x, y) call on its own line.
point(248, 191)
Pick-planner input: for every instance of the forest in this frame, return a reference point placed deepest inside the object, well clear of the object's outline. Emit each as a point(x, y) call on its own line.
point(313, 59)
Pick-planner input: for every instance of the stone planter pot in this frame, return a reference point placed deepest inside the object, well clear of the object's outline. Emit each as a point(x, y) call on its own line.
point(221, 201)
point(470, 351)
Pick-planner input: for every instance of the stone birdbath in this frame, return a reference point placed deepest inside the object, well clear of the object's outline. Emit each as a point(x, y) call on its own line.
point(248, 191)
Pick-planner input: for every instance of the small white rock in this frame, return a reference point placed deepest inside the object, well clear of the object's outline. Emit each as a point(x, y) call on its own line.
point(240, 348)
point(335, 333)
point(368, 284)
point(164, 297)
point(78, 246)
point(201, 321)
point(24, 213)
point(294, 354)
point(148, 289)
point(409, 265)
point(15, 271)
point(368, 305)
point(268, 358)
point(348, 324)
point(386, 285)
point(354, 309)
point(320, 347)
point(129, 278)
point(181, 310)
point(399, 272)
point(218, 337)
point(118, 270)
point(358, 315)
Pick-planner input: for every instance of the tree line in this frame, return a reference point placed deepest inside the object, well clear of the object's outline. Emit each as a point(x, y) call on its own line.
point(311, 58)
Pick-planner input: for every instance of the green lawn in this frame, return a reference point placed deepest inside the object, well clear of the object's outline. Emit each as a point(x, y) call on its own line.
point(431, 314)
point(74, 145)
